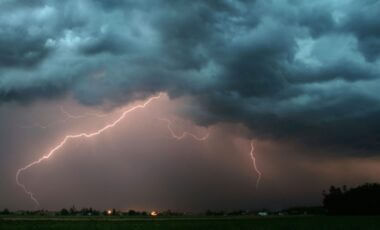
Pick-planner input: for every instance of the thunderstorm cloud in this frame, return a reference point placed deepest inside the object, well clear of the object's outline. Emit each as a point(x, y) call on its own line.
point(306, 71)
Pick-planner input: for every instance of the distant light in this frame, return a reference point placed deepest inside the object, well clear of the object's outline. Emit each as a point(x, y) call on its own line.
point(109, 212)
point(153, 213)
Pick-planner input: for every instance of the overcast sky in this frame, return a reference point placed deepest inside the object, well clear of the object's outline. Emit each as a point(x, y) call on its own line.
point(300, 78)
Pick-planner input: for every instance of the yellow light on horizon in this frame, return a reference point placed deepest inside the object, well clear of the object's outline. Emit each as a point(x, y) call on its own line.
point(109, 212)
point(153, 213)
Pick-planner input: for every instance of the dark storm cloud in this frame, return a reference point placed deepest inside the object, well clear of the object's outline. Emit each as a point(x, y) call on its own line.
point(363, 21)
point(14, 53)
point(301, 70)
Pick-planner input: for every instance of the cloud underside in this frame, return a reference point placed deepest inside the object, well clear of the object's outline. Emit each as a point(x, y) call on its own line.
point(299, 70)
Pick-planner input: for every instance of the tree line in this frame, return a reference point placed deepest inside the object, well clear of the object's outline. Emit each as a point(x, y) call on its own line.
point(360, 200)
point(73, 211)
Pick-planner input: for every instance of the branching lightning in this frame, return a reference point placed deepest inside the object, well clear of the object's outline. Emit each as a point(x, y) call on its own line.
point(109, 126)
point(254, 164)
point(75, 136)
point(184, 134)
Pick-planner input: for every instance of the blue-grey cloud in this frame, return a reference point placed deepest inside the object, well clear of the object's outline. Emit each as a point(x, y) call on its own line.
point(300, 70)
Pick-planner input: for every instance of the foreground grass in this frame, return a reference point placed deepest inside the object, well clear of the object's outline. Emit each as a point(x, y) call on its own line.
point(253, 223)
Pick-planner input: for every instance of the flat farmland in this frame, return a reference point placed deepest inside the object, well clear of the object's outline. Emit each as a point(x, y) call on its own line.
point(217, 223)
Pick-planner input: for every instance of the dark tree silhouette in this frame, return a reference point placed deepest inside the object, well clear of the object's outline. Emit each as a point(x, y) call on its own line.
point(132, 212)
point(361, 200)
point(5, 212)
point(73, 210)
point(64, 212)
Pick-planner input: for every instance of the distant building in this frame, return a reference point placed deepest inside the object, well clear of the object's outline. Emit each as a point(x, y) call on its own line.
point(262, 214)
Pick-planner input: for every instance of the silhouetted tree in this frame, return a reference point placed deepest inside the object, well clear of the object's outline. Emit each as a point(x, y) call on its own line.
point(132, 213)
point(64, 212)
point(361, 200)
point(73, 210)
point(304, 210)
point(5, 212)
point(214, 213)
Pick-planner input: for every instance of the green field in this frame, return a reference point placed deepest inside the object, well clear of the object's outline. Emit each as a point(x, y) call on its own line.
point(220, 223)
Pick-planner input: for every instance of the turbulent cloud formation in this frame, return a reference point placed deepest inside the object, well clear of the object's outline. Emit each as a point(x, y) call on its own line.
point(301, 70)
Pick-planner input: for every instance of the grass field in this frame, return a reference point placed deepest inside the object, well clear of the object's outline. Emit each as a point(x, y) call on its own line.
point(252, 223)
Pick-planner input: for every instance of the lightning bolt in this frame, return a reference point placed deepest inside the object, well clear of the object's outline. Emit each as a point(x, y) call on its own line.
point(75, 136)
point(205, 137)
point(184, 134)
point(254, 165)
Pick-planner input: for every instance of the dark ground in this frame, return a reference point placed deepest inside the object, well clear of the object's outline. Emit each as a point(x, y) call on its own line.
point(219, 223)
